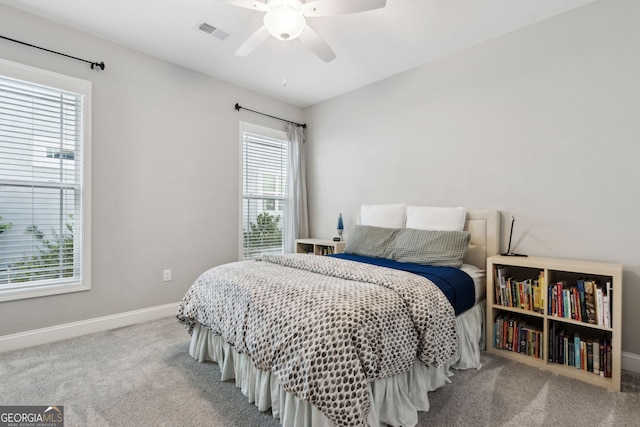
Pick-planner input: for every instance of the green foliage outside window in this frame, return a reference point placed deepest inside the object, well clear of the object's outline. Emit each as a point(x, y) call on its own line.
point(5, 226)
point(264, 235)
point(55, 257)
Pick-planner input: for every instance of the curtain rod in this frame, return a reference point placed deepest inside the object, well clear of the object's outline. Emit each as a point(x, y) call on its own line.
point(93, 64)
point(303, 125)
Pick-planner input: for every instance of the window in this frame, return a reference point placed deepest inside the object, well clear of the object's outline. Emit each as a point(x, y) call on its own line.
point(264, 171)
point(44, 182)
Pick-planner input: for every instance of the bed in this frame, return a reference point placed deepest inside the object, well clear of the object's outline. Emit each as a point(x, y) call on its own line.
point(345, 340)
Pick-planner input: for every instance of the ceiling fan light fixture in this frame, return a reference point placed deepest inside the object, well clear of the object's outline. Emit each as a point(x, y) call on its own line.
point(284, 22)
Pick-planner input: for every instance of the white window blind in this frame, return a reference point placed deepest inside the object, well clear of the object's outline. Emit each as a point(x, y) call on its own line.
point(264, 167)
point(42, 129)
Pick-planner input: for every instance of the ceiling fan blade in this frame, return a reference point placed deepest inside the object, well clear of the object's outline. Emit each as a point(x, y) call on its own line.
point(260, 5)
point(316, 44)
point(313, 8)
point(255, 40)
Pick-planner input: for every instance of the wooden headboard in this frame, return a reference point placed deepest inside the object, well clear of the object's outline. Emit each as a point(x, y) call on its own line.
point(484, 226)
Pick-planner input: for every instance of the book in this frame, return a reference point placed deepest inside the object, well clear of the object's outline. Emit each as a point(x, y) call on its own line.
point(599, 306)
point(589, 353)
point(607, 373)
point(577, 347)
point(532, 335)
point(577, 310)
point(541, 283)
point(538, 303)
point(560, 355)
point(559, 300)
point(572, 298)
point(502, 273)
point(566, 303)
point(610, 295)
point(596, 356)
point(571, 353)
point(583, 307)
point(607, 305)
point(602, 357)
point(552, 347)
point(589, 297)
point(510, 324)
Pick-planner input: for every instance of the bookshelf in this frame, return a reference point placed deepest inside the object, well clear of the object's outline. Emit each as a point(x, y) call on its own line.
point(319, 246)
point(545, 303)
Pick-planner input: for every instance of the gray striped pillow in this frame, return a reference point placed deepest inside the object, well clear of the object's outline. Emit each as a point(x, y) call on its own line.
point(367, 240)
point(430, 247)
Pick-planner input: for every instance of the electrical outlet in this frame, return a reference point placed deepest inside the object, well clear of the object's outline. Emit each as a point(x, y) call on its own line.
point(166, 275)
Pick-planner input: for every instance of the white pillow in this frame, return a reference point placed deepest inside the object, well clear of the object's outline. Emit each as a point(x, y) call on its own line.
point(436, 218)
point(387, 216)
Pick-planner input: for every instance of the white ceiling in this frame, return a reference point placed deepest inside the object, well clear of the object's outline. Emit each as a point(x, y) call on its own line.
point(369, 46)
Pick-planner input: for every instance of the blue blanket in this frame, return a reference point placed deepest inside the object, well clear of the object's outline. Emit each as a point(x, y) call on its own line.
point(453, 282)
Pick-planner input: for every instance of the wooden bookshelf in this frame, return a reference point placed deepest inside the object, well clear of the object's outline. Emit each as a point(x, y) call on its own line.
point(551, 318)
point(319, 246)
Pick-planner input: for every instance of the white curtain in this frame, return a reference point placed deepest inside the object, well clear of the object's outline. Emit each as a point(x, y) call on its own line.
point(297, 220)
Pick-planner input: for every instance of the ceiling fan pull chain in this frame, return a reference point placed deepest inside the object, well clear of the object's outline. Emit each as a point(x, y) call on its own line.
point(284, 64)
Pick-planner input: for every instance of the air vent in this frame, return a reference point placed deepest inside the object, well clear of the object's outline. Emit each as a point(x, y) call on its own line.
point(213, 31)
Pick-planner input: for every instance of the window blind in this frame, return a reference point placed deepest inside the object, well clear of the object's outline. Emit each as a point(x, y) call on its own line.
point(264, 161)
point(41, 185)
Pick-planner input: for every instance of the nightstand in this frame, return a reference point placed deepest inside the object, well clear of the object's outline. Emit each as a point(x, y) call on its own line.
point(319, 246)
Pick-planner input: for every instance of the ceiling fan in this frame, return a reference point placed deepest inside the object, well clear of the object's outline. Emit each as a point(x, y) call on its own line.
point(285, 20)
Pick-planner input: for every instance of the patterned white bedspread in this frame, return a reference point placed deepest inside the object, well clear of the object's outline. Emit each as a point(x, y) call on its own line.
point(324, 326)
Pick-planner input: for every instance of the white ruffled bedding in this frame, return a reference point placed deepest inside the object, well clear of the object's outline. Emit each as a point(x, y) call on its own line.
point(394, 400)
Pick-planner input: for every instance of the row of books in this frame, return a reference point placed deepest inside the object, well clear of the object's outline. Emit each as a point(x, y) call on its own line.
point(587, 354)
point(526, 294)
point(511, 332)
point(587, 301)
point(326, 250)
point(322, 250)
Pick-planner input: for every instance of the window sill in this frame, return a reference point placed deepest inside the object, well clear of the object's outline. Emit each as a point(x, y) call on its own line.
point(41, 291)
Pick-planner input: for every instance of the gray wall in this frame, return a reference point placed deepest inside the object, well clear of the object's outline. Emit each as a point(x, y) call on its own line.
point(543, 124)
point(165, 172)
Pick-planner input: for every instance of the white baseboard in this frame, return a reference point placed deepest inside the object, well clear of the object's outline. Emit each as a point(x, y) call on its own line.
point(631, 362)
point(89, 326)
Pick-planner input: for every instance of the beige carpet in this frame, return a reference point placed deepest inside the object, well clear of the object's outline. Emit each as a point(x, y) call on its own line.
point(142, 375)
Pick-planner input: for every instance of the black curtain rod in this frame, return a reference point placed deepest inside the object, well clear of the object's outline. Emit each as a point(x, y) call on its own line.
point(303, 125)
point(93, 64)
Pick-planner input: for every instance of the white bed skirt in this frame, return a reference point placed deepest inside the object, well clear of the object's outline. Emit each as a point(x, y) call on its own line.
point(394, 400)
